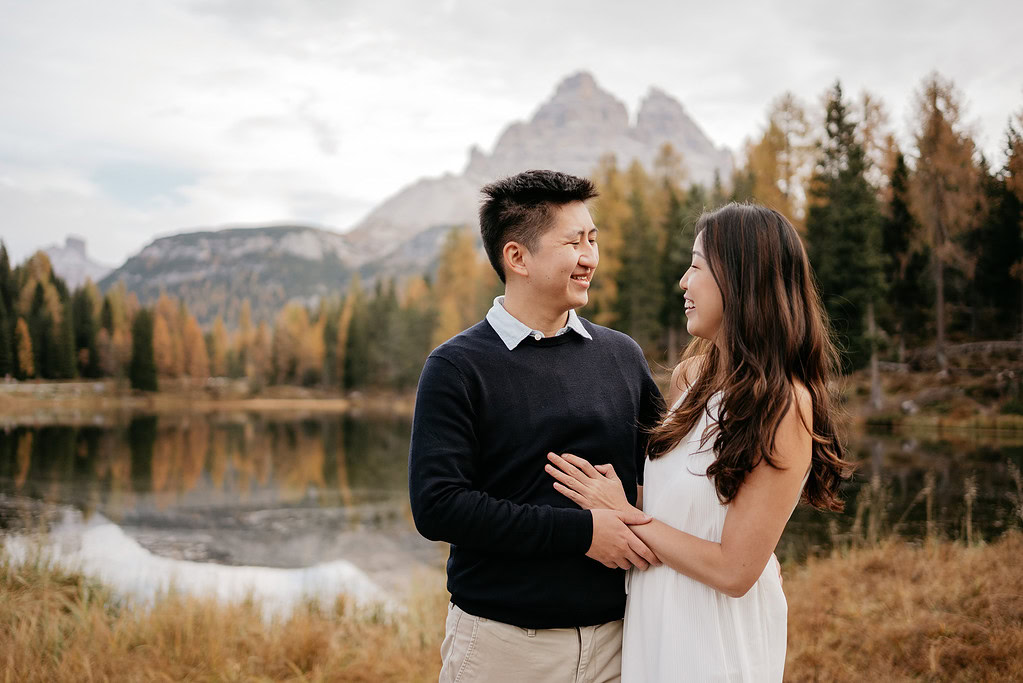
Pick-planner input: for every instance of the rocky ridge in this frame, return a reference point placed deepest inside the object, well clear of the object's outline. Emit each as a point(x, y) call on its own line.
point(578, 126)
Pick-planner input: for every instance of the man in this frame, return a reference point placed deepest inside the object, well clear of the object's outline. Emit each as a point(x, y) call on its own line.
point(536, 583)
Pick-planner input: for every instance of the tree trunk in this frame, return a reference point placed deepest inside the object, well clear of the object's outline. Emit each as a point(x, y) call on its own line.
point(876, 401)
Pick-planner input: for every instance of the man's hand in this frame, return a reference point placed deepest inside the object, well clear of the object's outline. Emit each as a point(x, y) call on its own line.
point(614, 544)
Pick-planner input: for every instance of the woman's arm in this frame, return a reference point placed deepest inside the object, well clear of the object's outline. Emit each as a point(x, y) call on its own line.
point(756, 516)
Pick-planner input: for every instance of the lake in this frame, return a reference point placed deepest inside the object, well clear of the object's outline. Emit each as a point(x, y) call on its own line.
point(286, 507)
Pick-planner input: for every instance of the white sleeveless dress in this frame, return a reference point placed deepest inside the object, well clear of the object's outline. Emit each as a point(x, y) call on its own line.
point(678, 629)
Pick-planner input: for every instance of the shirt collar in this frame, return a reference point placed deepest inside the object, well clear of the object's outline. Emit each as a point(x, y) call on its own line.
point(512, 330)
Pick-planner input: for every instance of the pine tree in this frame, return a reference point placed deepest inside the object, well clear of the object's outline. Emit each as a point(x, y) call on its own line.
point(330, 311)
point(7, 293)
point(462, 284)
point(357, 345)
point(196, 358)
point(66, 366)
point(83, 306)
point(243, 339)
point(218, 348)
point(778, 162)
point(167, 365)
point(259, 368)
point(996, 245)
point(945, 188)
point(844, 235)
point(384, 311)
point(610, 211)
point(23, 344)
point(352, 298)
point(908, 308)
point(7, 350)
point(1014, 181)
point(142, 370)
point(415, 328)
point(640, 285)
point(40, 325)
point(679, 224)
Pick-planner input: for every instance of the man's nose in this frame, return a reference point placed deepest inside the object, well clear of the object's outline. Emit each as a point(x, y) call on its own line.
point(589, 257)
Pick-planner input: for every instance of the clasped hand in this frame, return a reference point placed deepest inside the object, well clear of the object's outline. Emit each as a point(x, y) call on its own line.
point(591, 487)
point(598, 489)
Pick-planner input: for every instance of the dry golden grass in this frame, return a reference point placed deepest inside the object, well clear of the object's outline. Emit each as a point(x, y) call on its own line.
point(895, 612)
point(59, 626)
point(942, 612)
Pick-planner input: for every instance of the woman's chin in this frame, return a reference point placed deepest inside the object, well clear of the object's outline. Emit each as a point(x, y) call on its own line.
point(695, 331)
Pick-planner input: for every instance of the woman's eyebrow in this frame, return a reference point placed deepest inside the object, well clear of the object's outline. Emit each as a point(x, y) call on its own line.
point(696, 253)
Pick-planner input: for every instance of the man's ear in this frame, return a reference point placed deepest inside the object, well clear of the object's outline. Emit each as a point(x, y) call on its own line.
point(515, 259)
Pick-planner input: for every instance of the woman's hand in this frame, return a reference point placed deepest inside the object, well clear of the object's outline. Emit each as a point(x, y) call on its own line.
point(591, 487)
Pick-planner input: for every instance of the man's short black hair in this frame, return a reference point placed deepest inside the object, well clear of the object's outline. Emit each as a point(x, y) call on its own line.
point(519, 209)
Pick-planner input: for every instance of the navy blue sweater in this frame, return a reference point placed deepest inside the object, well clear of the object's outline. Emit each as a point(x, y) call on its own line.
point(485, 419)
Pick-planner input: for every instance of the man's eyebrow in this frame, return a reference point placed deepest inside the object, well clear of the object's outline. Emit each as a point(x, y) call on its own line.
point(577, 233)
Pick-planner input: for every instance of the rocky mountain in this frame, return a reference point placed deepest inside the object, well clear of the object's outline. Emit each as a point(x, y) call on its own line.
point(571, 132)
point(212, 271)
point(73, 265)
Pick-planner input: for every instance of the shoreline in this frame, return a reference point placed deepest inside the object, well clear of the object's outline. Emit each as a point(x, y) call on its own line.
point(83, 403)
point(912, 401)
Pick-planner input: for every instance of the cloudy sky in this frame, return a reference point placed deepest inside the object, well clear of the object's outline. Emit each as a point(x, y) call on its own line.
point(126, 119)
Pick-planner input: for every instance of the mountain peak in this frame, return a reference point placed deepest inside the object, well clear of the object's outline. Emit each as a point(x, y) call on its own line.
point(71, 262)
point(581, 81)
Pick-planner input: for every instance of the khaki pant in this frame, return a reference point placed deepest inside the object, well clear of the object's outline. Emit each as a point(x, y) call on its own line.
point(483, 650)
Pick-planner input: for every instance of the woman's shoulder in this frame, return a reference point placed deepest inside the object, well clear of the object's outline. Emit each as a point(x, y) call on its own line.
point(683, 376)
point(802, 402)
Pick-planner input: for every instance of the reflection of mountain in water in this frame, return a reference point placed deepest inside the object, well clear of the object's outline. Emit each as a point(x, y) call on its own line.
point(101, 549)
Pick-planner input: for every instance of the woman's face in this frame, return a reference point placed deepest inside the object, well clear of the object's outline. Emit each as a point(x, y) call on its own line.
point(704, 309)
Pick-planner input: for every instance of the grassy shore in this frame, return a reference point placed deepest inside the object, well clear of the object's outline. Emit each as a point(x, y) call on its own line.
point(893, 612)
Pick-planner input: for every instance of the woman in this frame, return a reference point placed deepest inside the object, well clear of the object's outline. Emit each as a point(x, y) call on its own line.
point(750, 430)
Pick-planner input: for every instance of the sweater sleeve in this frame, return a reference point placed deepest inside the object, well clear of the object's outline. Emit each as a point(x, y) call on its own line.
point(651, 411)
point(446, 505)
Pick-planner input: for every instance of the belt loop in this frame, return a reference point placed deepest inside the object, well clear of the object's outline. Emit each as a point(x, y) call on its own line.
point(530, 632)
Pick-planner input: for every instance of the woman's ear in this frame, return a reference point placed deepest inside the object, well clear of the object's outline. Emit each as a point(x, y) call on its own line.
point(515, 259)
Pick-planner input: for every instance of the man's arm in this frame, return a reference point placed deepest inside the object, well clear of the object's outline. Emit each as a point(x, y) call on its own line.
point(442, 469)
point(651, 412)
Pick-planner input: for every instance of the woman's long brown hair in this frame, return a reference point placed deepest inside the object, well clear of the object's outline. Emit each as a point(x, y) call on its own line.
point(773, 331)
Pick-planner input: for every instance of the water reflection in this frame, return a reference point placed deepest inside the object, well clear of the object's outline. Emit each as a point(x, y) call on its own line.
point(251, 489)
point(168, 462)
point(242, 489)
point(952, 484)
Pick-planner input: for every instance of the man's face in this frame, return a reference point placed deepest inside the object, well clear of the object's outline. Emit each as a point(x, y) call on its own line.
point(561, 267)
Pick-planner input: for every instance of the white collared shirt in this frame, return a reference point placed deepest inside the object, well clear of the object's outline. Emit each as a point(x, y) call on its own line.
point(512, 331)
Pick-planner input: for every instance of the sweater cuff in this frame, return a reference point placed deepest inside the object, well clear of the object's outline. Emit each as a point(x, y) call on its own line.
point(573, 530)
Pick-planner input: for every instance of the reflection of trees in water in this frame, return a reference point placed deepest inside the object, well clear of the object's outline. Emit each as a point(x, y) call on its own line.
point(915, 485)
point(298, 458)
point(24, 459)
point(344, 460)
point(179, 457)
